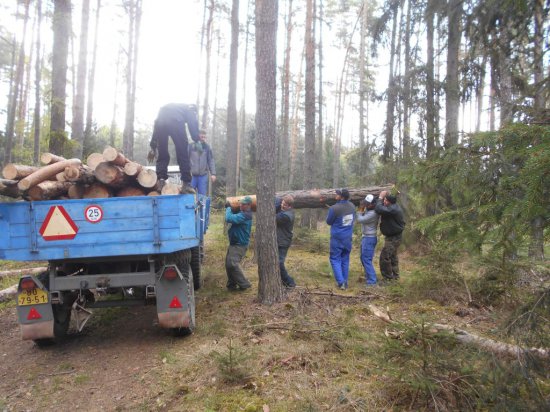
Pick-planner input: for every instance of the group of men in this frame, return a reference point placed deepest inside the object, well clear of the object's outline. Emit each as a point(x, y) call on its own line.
point(341, 218)
point(195, 160)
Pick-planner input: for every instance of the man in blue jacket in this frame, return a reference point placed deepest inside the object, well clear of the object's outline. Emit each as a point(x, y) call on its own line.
point(285, 224)
point(340, 218)
point(171, 122)
point(239, 238)
point(202, 162)
point(392, 224)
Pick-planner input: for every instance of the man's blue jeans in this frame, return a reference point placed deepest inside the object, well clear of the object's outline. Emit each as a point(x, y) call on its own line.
point(368, 244)
point(339, 259)
point(200, 184)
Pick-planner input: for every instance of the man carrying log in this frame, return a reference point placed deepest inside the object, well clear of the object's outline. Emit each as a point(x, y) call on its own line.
point(239, 237)
point(340, 218)
point(171, 121)
point(285, 224)
point(392, 224)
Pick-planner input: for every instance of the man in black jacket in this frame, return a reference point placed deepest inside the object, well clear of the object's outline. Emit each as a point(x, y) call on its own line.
point(285, 224)
point(171, 121)
point(392, 224)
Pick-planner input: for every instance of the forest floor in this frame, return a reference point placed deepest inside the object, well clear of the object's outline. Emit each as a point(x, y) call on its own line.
point(320, 349)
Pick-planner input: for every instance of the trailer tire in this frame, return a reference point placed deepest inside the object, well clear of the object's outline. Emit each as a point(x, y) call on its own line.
point(196, 267)
point(61, 317)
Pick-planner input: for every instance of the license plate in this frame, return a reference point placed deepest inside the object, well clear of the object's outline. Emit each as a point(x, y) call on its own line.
point(32, 297)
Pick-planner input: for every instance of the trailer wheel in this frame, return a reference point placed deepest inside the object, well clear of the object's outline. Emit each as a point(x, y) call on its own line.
point(196, 267)
point(61, 317)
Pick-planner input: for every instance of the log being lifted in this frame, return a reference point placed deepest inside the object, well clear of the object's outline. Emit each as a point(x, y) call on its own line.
point(15, 172)
point(49, 190)
point(94, 159)
point(316, 198)
point(45, 173)
point(49, 158)
point(111, 175)
point(110, 154)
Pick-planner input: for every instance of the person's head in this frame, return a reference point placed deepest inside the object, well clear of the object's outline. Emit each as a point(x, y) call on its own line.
point(246, 203)
point(370, 201)
point(342, 194)
point(287, 202)
point(202, 135)
point(389, 200)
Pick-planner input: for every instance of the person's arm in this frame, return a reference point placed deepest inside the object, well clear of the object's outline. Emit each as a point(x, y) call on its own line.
point(193, 125)
point(282, 219)
point(381, 209)
point(331, 217)
point(235, 218)
point(210, 161)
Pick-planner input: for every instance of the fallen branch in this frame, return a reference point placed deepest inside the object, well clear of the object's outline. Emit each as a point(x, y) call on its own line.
point(468, 338)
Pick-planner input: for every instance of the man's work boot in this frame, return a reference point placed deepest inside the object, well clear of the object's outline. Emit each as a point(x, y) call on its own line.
point(160, 185)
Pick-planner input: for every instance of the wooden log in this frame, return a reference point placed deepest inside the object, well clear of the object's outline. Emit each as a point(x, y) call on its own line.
point(49, 158)
point(48, 190)
point(97, 190)
point(60, 177)
point(94, 159)
point(153, 193)
point(9, 188)
point(170, 189)
point(26, 271)
point(132, 168)
point(14, 171)
point(130, 191)
point(315, 198)
point(147, 178)
point(76, 191)
point(110, 154)
point(45, 173)
point(112, 175)
point(81, 174)
point(7, 293)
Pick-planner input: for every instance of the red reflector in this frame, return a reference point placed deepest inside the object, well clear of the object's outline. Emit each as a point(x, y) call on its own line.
point(33, 314)
point(175, 304)
point(170, 273)
point(28, 284)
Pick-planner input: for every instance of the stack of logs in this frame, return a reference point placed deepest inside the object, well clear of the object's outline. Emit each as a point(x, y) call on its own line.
point(107, 174)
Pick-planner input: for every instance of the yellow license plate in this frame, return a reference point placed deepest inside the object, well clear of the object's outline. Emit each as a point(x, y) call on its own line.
point(32, 297)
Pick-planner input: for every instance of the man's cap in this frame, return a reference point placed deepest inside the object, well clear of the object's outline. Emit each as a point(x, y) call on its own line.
point(246, 200)
point(391, 198)
point(343, 192)
point(369, 198)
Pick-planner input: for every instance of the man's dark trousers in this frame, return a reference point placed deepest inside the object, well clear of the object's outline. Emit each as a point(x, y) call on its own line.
point(389, 262)
point(285, 277)
point(160, 134)
point(235, 275)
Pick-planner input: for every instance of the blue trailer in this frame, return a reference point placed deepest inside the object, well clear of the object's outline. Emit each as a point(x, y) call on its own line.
point(105, 252)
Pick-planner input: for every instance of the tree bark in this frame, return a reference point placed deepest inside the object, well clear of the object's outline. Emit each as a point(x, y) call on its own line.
point(81, 174)
point(48, 190)
point(284, 145)
point(14, 171)
point(407, 86)
point(452, 88)
point(61, 35)
point(430, 80)
point(37, 82)
point(392, 90)
point(45, 173)
point(111, 175)
point(91, 79)
point(49, 158)
point(270, 288)
point(78, 104)
point(231, 160)
point(94, 159)
point(97, 191)
point(209, 32)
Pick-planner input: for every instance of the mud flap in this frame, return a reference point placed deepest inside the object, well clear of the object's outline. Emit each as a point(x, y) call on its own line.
point(36, 321)
point(175, 303)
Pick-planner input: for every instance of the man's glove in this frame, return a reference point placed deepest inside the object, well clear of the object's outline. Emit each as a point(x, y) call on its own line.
point(152, 155)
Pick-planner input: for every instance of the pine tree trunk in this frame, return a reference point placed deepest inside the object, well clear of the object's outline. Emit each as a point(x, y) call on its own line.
point(113, 128)
point(21, 123)
point(294, 133)
point(61, 35)
point(91, 79)
point(209, 30)
point(407, 86)
point(284, 144)
point(362, 85)
point(430, 80)
point(270, 286)
point(392, 92)
point(320, 126)
point(452, 90)
point(214, 130)
point(37, 82)
point(231, 178)
point(130, 150)
point(78, 104)
point(479, 93)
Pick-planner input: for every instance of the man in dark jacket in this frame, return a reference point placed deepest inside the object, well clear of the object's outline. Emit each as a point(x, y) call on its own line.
point(340, 218)
point(202, 162)
point(392, 224)
point(239, 237)
point(285, 224)
point(171, 121)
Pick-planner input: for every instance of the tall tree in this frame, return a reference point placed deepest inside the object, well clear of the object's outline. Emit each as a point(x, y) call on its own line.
point(270, 288)
point(407, 85)
point(78, 104)
point(320, 126)
point(430, 79)
point(17, 87)
point(392, 87)
point(241, 136)
point(231, 160)
point(362, 83)
point(284, 143)
point(310, 108)
point(113, 128)
point(61, 35)
point(452, 88)
point(37, 82)
point(209, 40)
point(91, 78)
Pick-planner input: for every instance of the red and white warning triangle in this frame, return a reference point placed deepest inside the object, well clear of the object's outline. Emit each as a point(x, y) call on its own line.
point(58, 225)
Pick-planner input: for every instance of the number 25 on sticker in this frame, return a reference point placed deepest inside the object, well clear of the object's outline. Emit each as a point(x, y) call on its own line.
point(94, 214)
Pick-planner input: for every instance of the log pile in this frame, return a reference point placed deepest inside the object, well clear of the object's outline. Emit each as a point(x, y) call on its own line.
point(105, 174)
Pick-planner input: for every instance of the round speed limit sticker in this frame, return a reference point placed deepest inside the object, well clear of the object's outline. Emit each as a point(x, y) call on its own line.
point(93, 214)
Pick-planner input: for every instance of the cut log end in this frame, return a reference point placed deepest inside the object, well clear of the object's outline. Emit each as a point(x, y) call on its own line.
point(147, 178)
point(49, 158)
